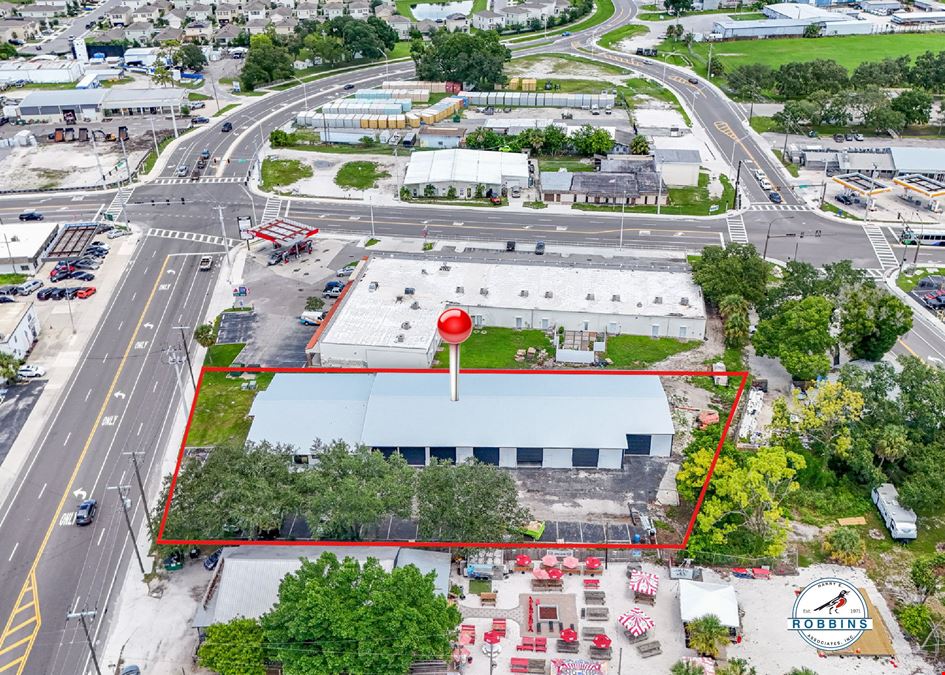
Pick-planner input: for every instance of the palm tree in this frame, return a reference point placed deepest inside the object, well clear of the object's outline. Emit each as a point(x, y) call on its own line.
point(801, 671)
point(707, 635)
point(686, 668)
point(639, 145)
point(736, 667)
point(734, 310)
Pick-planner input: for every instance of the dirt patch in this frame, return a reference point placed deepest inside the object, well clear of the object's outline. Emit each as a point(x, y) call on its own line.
point(41, 165)
point(325, 168)
point(562, 69)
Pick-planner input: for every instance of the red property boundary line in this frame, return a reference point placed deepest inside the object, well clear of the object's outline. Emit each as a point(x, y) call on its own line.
point(452, 544)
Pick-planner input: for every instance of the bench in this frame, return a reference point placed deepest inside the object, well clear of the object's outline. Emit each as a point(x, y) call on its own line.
point(596, 613)
point(593, 597)
point(498, 626)
point(590, 632)
point(644, 599)
point(533, 644)
point(520, 665)
point(591, 583)
point(601, 653)
point(568, 647)
point(635, 638)
point(649, 649)
point(547, 585)
point(593, 571)
point(487, 599)
point(467, 633)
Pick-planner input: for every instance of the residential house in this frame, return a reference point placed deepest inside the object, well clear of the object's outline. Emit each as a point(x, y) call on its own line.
point(42, 12)
point(119, 16)
point(6, 9)
point(332, 10)
point(111, 35)
point(285, 3)
point(538, 10)
point(516, 15)
point(200, 12)
point(384, 11)
point(488, 20)
point(18, 29)
point(134, 4)
point(238, 4)
point(226, 14)
point(162, 6)
point(257, 26)
point(256, 11)
point(198, 31)
point(168, 35)
point(139, 32)
point(426, 26)
point(401, 24)
point(306, 10)
point(457, 22)
point(176, 18)
point(280, 14)
point(359, 10)
point(560, 7)
point(227, 34)
point(286, 27)
point(145, 14)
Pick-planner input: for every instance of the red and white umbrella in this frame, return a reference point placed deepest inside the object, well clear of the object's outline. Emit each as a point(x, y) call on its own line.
point(491, 637)
point(570, 562)
point(522, 560)
point(644, 582)
point(569, 635)
point(539, 573)
point(602, 641)
point(591, 562)
point(549, 560)
point(636, 621)
point(555, 573)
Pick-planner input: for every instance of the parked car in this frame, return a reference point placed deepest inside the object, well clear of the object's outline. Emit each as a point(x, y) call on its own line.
point(278, 256)
point(516, 191)
point(838, 138)
point(8, 290)
point(28, 287)
point(345, 272)
point(311, 318)
point(774, 197)
point(85, 514)
point(31, 215)
point(227, 126)
point(858, 137)
point(70, 293)
point(87, 264)
point(334, 284)
point(82, 275)
point(848, 136)
point(118, 232)
point(45, 294)
point(540, 248)
point(332, 292)
point(197, 105)
point(5, 299)
point(86, 292)
point(199, 120)
point(29, 371)
point(211, 561)
point(845, 199)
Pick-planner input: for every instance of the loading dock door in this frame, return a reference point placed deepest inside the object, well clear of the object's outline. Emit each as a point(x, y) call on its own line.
point(415, 456)
point(487, 455)
point(448, 454)
point(387, 452)
point(529, 456)
point(584, 456)
point(638, 444)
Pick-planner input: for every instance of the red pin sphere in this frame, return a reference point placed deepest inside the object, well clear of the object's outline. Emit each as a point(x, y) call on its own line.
point(454, 326)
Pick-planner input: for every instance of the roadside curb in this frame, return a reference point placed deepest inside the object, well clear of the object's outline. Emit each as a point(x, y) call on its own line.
point(918, 310)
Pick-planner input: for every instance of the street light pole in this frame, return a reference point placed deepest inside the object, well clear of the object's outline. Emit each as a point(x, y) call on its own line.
point(764, 255)
point(226, 247)
point(623, 209)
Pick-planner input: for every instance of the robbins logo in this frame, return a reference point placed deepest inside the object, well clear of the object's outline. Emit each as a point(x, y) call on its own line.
point(830, 614)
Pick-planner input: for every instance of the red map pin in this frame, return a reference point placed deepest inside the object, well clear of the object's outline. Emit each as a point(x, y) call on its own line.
point(454, 327)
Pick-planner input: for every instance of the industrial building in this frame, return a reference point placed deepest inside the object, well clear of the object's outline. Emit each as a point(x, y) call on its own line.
point(19, 328)
point(464, 170)
point(678, 166)
point(387, 319)
point(931, 18)
point(40, 70)
point(93, 104)
point(536, 419)
point(880, 7)
point(788, 19)
point(23, 245)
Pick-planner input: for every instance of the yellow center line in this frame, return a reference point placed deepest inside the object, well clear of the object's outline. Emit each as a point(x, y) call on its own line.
point(908, 348)
point(30, 583)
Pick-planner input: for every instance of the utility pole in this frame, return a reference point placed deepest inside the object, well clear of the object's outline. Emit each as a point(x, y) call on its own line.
point(623, 210)
point(371, 203)
point(738, 175)
point(190, 366)
point(144, 501)
point(125, 155)
point(226, 247)
point(174, 122)
point(157, 150)
point(98, 163)
point(708, 72)
point(216, 98)
point(125, 503)
point(88, 638)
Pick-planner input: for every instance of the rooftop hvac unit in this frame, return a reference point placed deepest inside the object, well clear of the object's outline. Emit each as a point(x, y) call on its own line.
point(549, 294)
point(658, 300)
point(590, 296)
point(460, 290)
point(400, 338)
point(423, 271)
point(444, 267)
point(684, 302)
point(483, 291)
point(373, 286)
point(408, 291)
point(415, 305)
point(400, 298)
point(639, 304)
point(523, 293)
point(405, 325)
point(615, 298)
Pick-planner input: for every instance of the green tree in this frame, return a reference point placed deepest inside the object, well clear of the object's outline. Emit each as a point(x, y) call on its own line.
point(871, 321)
point(475, 58)
point(826, 419)
point(915, 105)
point(916, 619)
point(265, 62)
point(686, 668)
point(749, 80)
point(9, 365)
point(639, 145)
point(190, 57)
point(844, 545)
point(327, 49)
point(678, 7)
point(799, 336)
point(736, 269)
point(233, 648)
point(279, 138)
point(205, 335)
point(556, 139)
point(892, 443)
point(924, 488)
point(801, 671)
point(313, 303)
point(928, 575)
point(348, 489)
point(451, 192)
point(813, 30)
point(341, 617)
point(161, 76)
point(884, 119)
point(592, 141)
point(796, 114)
point(929, 71)
point(429, 190)
point(707, 635)
point(467, 502)
point(736, 667)
point(886, 73)
point(734, 310)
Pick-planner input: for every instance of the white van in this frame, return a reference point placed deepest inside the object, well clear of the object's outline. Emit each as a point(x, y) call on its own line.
point(900, 521)
point(309, 318)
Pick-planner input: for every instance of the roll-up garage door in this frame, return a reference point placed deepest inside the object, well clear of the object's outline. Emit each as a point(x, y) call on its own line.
point(387, 452)
point(487, 455)
point(584, 456)
point(529, 456)
point(448, 454)
point(638, 444)
point(414, 456)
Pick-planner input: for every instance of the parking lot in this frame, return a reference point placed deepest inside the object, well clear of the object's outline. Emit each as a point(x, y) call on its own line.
point(16, 404)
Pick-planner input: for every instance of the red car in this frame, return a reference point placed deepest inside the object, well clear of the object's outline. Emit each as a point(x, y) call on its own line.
point(61, 272)
point(86, 292)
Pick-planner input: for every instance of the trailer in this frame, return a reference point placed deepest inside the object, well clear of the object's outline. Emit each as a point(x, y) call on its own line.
point(900, 521)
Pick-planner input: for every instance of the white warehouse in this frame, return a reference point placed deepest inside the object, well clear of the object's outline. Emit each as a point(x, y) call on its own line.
point(539, 419)
point(388, 318)
point(464, 170)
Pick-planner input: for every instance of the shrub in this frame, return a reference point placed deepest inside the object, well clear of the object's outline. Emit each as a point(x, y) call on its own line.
point(916, 619)
point(845, 545)
point(313, 304)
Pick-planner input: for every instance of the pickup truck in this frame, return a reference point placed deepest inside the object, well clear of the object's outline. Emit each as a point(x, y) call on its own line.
point(206, 264)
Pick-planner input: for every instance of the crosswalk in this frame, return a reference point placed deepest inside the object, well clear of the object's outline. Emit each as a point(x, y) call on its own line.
point(778, 207)
point(736, 229)
point(272, 210)
point(203, 179)
point(118, 202)
point(192, 236)
point(881, 247)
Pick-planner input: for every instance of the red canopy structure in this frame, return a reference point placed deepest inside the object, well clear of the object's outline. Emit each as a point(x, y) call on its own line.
point(591, 562)
point(602, 641)
point(522, 560)
point(284, 232)
point(549, 560)
point(636, 621)
point(541, 574)
point(570, 562)
point(555, 573)
point(491, 637)
point(569, 635)
point(644, 582)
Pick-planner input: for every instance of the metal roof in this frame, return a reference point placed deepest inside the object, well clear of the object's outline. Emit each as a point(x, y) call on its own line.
point(556, 181)
point(65, 98)
point(918, 160)
point(157, 96)
point(676, 156)
point(531, 409)
point(468, 166)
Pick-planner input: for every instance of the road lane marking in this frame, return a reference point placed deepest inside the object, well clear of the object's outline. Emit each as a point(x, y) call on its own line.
point(13, 552)
point(100, 535)
point(29, 585)
point(41, 491)
point(88, 394)
point(68, 436)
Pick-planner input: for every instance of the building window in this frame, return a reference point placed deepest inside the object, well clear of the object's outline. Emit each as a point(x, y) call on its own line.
point(301, 459)
point(414, 456)
point(683, 330)
point(585, 325)
point(478, 320)
point(529, 457)
point(638, 444)
point(655, 330)
point(545, 323)
point(387, 452)
point(446, 454)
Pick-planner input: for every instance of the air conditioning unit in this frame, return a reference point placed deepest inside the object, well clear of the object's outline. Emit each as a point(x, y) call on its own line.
point(658, 300)
point(408, 291)
point(405, 325)
point(400, 298)
point(423, 271)
point(444, 268)
point(523, 293)
point(483, 291)
point(415, 305)
point(684, 302)
point(549, 294)
point(460, 290)
point(373, 286)
point(400, 338)
point(590, 296)
point(615, 298)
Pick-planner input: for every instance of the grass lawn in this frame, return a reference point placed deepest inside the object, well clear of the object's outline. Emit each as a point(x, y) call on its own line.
point(342, 149)
point(761, 124)
point(400, 50)
point(276, 172)
point(790, 166)
point(371, 242)
point(359, 175)
point(220, 416)
point(12, 279)
point(638, 87)
point(613, 37)
point(836, 210)
point(221, 356)
point(685, 201)
point(906, 282)
point(495, 348)
point(749, 16)
point(107, 84)
point(477, 586)
point(225, 109)
point(604, 10)
point(568, 163)
point(196, 96)
point(640, 351)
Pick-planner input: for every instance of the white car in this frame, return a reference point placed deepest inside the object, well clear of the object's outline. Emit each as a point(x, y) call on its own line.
point(344, 272)
point(118, 232)
point(766, 184)
point(30, 371)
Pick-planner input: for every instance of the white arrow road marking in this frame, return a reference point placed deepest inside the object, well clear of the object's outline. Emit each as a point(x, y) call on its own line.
point(149, 325)
point(120, 394)
point(79, 494)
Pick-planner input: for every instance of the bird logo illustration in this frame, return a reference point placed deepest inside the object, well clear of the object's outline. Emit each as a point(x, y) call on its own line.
point(836, 603)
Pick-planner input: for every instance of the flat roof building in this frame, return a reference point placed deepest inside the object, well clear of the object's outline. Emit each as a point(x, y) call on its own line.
point(788, 19)
point(93, 104)
point(464, 170)
point(534, 418)
point(388, 318)
point(23, 245)
point(41, 71)
point(19, 328)
point(919, 18)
